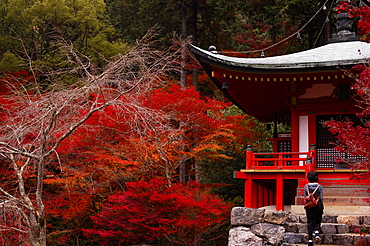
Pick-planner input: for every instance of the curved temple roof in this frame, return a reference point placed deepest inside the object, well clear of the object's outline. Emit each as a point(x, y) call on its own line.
point(334, 54)
point(267, 87)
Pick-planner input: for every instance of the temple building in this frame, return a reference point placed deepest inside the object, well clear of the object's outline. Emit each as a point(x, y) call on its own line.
point(302, 89)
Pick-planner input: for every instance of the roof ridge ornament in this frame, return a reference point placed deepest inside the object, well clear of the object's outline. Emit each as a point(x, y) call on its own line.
point(343, 25)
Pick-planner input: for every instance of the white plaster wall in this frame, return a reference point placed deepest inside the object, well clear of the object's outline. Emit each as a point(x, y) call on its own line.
point(303, 136)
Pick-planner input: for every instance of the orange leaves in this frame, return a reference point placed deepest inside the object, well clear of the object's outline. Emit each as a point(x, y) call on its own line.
point(211, 146)
point(70, 206)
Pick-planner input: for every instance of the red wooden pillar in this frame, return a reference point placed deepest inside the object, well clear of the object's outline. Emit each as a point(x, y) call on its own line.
point(279, 192)
point(260, 195)
point(249, 199)
point(248, 158)
point(272, 196)
point(266, 195)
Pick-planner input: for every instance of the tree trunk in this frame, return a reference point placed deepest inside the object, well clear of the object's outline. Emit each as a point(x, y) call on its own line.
point(195, 79)
point(183, 51)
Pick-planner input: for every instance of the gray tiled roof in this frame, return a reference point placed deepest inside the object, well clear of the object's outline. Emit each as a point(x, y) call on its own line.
point(333, 54)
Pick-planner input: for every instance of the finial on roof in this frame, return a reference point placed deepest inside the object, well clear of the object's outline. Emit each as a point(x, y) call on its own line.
point(212, 49)
point(343, 25)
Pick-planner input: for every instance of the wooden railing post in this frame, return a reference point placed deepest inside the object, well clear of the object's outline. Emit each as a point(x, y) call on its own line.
point(309, 166)
point(313, 156)
point(280, 160)
point(249, 156)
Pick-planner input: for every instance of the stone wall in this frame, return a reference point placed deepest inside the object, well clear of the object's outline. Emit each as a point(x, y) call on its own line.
point(260, 227)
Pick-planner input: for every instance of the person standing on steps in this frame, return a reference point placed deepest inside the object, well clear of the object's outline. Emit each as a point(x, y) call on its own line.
point(314, 215)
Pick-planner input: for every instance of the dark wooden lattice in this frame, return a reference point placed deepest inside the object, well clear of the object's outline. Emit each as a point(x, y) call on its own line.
point(285, 146)
point(325, 142)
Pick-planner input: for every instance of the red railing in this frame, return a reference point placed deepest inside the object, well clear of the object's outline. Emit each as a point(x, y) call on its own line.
point(281, 160)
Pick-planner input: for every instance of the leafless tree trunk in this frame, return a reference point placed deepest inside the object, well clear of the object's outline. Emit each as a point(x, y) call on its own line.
point(38, 122)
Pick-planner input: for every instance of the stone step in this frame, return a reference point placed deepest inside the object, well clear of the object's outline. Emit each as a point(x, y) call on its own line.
point(299, 244)
point(327, 239)
point(360, 191)
point(266, 226)
point(347, 191)
point(340, 200)
point(294, 244)
point(334, 210)
point(326, 228)
point(335, 230)
point(327, 182)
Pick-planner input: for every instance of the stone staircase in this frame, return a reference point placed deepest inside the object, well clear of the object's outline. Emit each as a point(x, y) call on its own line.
point(263, 226)
point(335, 230)
point(346, 213)
point(340, 197)
point(346, 218)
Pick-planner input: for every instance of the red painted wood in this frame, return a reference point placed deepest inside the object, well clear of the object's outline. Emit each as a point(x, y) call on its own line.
point(248, 192)
point(279, 192)
point(260, 195)
point(312, 129)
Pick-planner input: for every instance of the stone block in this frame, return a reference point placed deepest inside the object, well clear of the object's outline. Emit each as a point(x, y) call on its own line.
point(329, 219)
point(302, 228)
point(349, 219)
point(293, 218)
point(305, 238)
point(290, 238)
point(327, 239)
point(303, 218)
point(276, 217)
point(273, 233)
point(342, 228)
point(246, 216)
point(291, 227)
point(243, 236)
point(365, 220)
point(328, 229)
point(343, 239)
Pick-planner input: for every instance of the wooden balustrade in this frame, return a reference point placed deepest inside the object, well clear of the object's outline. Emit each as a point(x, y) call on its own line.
point(281, 160)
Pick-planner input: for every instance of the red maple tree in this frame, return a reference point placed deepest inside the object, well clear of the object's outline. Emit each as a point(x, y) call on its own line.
point(116, 154)
point(179, 214)
point(354, 138)
point(41, 112)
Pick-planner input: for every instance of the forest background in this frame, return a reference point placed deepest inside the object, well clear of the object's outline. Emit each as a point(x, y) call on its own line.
point(110, 132)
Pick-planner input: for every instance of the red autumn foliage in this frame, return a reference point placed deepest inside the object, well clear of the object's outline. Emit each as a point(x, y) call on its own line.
point(13, 225)
point(114, 147)
point(153, 211)
point(100, 165)
point(354, 138)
